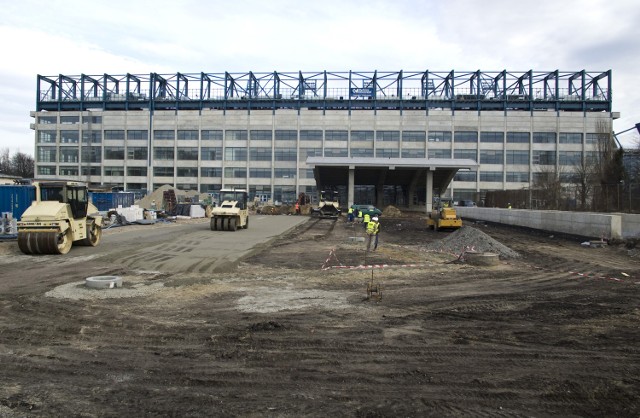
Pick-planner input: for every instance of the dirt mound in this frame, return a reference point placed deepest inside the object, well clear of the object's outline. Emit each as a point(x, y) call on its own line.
point(392, 212)
point(469, 238)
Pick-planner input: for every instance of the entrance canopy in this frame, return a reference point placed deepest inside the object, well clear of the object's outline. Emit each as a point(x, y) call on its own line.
point(412, 174)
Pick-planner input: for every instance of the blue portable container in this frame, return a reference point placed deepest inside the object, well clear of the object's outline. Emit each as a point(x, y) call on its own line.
point(105, 201)
point(16, 199)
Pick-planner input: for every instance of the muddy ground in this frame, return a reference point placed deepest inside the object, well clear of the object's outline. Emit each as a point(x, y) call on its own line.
point(554, 332)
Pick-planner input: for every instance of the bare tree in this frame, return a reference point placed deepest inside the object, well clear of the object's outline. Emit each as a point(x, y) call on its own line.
point(5, 161)
point(609, 169)
point(547, 187)
point(22, 165)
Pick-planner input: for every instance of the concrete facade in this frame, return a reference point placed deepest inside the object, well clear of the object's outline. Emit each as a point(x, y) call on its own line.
point(265, 151)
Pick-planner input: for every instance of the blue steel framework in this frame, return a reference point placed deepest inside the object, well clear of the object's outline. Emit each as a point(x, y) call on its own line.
point(579, 91)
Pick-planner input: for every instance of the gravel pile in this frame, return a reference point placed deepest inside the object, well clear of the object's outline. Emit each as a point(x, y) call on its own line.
point(468, 238)
point(392, 212)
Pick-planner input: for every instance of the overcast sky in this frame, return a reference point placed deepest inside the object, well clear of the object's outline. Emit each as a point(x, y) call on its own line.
point(117, 37)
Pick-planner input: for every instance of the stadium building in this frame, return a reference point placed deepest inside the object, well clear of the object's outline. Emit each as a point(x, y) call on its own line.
point(379, 137)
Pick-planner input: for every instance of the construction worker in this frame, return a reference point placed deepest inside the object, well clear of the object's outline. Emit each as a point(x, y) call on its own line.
point(508, 205)
point(372, 232)
point(366, 219)
point(350, 215)
point(375, 219)
point(359, 215)
point(297, 208)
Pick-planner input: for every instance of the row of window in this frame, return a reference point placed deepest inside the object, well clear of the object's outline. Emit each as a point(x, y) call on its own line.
point(513, 177)
point(72, 137)
point(94, 154)
point(241, 172)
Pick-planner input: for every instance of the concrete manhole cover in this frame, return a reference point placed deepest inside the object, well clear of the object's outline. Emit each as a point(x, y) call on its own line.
point(103, 282)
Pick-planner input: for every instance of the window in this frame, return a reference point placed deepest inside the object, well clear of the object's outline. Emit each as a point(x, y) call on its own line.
point(518, 137)
point(46, 137)
point(68, 155)
point(388, 136)
point(441, 136)
point(163, 153)
point(47, 120)
point(190, 135)
point(517, 157)
point(46, 154)
point(91, 171)
point(210, 188)
point(68, 171)
point(163, 171)
point(491, 176)
point(188, 153)
point(544, 157)
point(211, 153)
point(160, 134)
point(91, 137)
point(92, 119)
point(570, 158)
point(135, 135)
point(260, 154)
point(337, 152)
point(91, 154)
point(69, 120)
point(310, 135)
point(306, 173)
point(69, 137)
point(494, 137)
point(260, 173)
point(309, 152)
point(544, 137)
point(414, 136)
point(595, 138)
point(466, 154)
point(362, 152)
point(336, 135)
point(439, 153)
point(282, 135)
point(466, 136)
point(570, 138)
point(114, 153)
point(211, 172)
point(235, 172)
point(361, 135)
point(187, 171)
point(137, 153)
point(413, 153)
point(261, 135)
point(387, 153)
point(46, 171)
point(466, 176)
point(285, 154)
point(136, 171)
point(491, 157)
point(235, 154)
point(114, 134)
point(543, 178)
point(237, 135)
point(210, 135)
point(284, 173)
point(569, 178)
point(517, 176)
point(113, 171)
point(187, 186)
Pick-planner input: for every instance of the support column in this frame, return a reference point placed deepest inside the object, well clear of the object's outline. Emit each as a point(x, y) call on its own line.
point(351, 187)
point(429, 200)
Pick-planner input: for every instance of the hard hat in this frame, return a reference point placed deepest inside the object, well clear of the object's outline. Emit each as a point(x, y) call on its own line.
point(375, 218)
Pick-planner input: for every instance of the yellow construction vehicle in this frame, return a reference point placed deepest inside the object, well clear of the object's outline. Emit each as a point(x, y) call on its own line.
point(60, 216)
point(232, 213)
point(444, 216)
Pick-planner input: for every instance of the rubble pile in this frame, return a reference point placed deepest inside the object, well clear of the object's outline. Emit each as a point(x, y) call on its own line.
point(467, 238)
point(392, 212)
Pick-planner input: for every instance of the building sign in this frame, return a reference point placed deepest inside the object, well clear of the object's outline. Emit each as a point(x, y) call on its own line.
point(361, 92)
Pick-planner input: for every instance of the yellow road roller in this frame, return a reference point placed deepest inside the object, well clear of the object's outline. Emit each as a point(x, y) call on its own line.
point(60, 215)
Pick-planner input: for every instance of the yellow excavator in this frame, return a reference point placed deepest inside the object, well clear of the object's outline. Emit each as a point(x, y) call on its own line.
point(60, 216)
point(444, 216)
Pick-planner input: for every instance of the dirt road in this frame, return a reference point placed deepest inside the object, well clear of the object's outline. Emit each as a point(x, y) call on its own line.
point(552, 333)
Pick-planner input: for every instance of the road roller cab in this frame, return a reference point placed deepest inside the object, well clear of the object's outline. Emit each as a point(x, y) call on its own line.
point(233, 212)
point(60, 216)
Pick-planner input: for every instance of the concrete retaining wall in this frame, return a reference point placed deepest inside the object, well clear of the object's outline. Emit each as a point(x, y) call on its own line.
point(586, 224)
